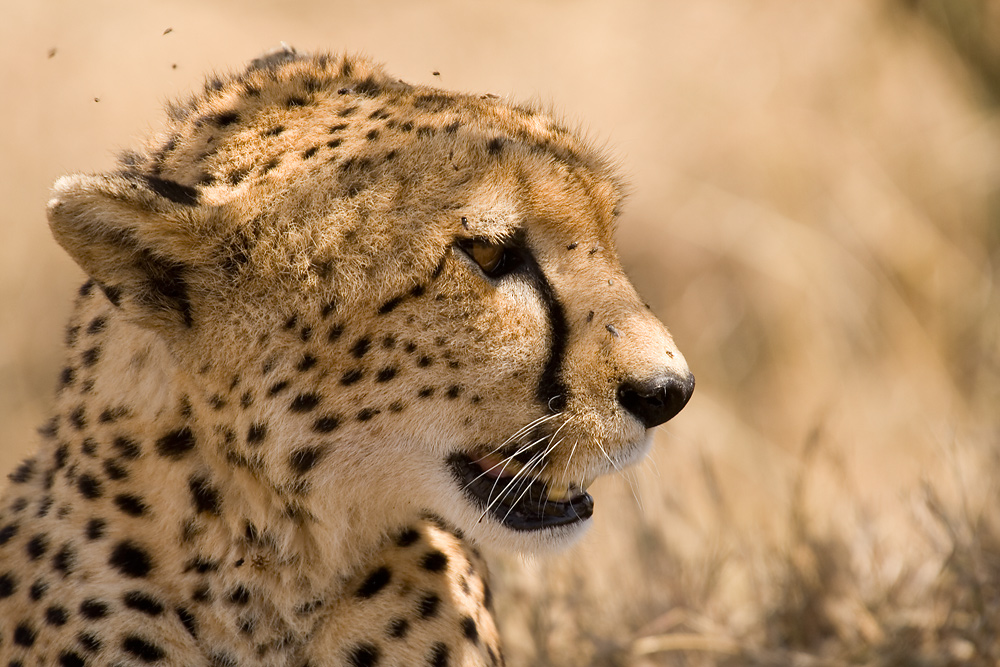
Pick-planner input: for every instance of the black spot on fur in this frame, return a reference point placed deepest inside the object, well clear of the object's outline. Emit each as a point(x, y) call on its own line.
point(398, 628)
point(428, 606)
point(24, 635)
point(114, 470)
point(307, 362)
point(61, 456)
point(97, 325)
point(386, 374)
point(326, 424)
point(487, 595)
point(367, 86)
point(360, 347)
point(278, 387)
point(176, 444)
point(130, 559)
point(364, 654)
point(226, 118)
point(204, 496)
point(295, 101)
point(127, 448)
point(470, 630)
point(274, 131)
point(111, 415)
point(94, 609)
point(8, 532)
point(65, 560)
point(374, 582)
point(202, 594)
point(309, 152)
point(95, 529)
point(367, 413)
point(305, 459)
point(390, 305)
point(143, 649)
point(434, 561)
point(454, 391)
point(351, 376)
point(8, 585)
point(23, 472)
point(142, 602)
point(89, 641)
point(438, 657)
point(89, 486)
point(203, 565)
point(304, 402)
point(256, 433)
point(239, 595)
point(38, 590)
point(78, 418)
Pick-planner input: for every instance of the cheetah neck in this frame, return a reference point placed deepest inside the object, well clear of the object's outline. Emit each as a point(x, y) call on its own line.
point(128, 410)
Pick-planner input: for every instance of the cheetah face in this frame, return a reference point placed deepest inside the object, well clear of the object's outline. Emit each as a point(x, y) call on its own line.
point(592, 369)
point(419, 288)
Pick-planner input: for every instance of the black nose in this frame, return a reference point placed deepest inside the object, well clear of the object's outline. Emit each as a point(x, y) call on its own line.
point(657, 400)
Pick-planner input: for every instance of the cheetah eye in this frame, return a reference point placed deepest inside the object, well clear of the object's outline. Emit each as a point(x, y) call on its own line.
point(494, 259)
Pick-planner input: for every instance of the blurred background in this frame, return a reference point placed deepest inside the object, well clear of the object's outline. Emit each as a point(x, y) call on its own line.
point(814, 214)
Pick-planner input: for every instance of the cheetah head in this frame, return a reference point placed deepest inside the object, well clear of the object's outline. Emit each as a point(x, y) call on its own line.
point(383, 299)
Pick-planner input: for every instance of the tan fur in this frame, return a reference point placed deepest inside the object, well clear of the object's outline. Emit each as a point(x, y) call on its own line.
point(281, 345)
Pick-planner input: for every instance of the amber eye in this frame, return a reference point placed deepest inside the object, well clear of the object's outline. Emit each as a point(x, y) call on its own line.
point(493, 258)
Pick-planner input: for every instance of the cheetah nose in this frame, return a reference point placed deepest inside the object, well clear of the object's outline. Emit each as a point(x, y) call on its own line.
point(657, 400)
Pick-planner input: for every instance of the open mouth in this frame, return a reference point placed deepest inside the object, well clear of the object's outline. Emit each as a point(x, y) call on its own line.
point(518, 501)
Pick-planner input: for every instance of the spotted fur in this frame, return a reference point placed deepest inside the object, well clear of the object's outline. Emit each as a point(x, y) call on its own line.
point(280, 345)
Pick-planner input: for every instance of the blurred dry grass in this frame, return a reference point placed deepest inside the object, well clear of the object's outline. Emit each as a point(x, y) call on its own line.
point(816, 216)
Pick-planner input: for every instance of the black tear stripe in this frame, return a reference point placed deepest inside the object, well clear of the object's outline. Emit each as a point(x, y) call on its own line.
point(552, 391)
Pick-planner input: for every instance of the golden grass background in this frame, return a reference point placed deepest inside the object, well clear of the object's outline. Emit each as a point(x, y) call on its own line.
point(815, 215)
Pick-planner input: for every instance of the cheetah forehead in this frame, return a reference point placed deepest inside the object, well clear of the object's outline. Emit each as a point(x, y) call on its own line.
point(296, 133)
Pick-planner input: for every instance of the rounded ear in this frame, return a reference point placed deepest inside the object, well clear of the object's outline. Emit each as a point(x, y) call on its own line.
point(138, 237)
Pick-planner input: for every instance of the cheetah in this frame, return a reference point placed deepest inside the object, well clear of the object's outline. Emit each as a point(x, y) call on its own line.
point(339, 333)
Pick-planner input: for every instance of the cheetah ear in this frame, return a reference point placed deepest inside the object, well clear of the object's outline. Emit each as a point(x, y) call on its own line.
point(137, 237)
